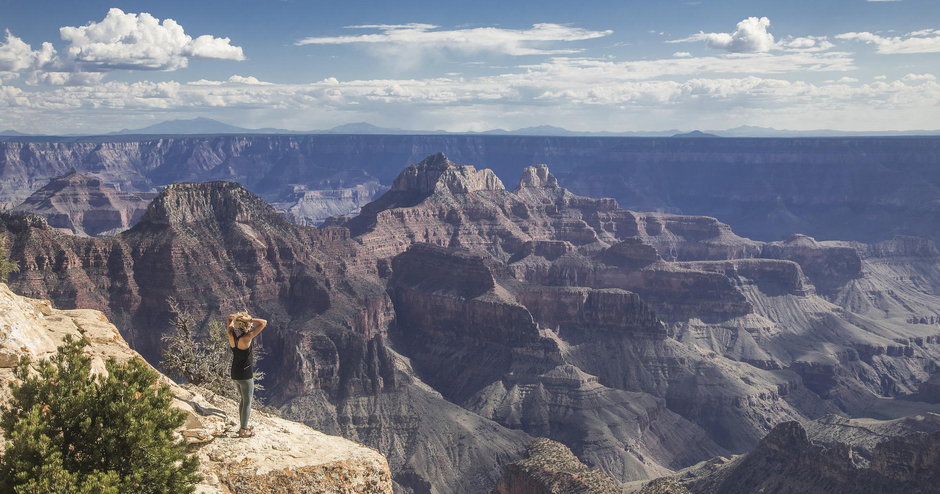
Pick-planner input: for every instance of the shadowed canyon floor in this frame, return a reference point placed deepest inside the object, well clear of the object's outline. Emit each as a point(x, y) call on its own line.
point(454, 320)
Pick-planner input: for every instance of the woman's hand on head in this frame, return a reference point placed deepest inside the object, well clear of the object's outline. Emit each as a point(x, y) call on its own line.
point(258, 325)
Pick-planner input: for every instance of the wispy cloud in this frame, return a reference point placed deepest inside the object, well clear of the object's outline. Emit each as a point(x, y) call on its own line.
point(805, 43)
point(922, 41)
point(581, 88)
point(919, 77)
point(408, 43)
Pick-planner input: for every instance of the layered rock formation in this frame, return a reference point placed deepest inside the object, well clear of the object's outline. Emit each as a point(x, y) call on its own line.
point(866, 189)
point(480, 339)
point(313, 207)
point(453, 319)
point(217, 248)
point(784, 350)
point(551, 468)
point(84, 205)
point(283, 457)
point(788, 461)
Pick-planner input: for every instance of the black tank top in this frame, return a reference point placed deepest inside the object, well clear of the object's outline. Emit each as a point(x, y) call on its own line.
point(242, 362)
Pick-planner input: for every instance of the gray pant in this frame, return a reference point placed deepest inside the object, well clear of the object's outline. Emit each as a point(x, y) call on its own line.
point(246, 390)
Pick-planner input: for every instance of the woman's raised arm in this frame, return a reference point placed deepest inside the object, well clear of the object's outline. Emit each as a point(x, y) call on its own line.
point(260, 324)
point(230, 331)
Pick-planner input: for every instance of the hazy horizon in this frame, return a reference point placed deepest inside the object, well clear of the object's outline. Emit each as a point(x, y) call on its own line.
point(98, 67)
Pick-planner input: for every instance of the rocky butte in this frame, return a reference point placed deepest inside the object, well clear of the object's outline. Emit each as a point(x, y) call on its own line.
point(454, 320)
point(84, 205)
point(852, 188)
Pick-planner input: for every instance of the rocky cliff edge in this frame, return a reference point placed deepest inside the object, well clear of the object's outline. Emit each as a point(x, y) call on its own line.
point(283, 457)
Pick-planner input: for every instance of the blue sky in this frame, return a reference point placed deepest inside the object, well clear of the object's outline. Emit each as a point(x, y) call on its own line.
point(90, 66)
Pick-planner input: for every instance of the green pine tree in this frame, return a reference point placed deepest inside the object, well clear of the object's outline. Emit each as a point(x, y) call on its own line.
point(6, 266)
point(67, 432)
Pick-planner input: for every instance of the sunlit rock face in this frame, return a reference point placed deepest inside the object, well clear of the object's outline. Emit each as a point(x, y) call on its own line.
point(863, 189)
point(454, 311)
point(775, 344)
point(283, 456)
point(218, 248)
point(549, 467)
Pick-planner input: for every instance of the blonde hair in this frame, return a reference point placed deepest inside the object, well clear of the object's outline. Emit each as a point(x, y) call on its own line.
point(242, 320)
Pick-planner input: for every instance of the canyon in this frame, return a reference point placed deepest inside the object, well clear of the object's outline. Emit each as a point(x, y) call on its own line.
point(834, 188)
point(285, 456)
point(452, 320)
point(868, 456)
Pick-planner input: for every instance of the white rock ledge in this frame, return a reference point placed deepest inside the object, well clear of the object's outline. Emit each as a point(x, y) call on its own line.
point(283, 457)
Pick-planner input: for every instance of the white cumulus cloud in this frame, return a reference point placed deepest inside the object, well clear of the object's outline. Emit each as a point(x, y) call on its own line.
point(140, 42)
point(750, 36)
point(57, 78)
point(18, 56)
point(249, 80)
point(922, 41)
point(119, 41)
point(919, 77)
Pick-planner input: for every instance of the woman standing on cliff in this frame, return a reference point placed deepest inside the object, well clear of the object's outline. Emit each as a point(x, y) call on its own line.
point(241, 329)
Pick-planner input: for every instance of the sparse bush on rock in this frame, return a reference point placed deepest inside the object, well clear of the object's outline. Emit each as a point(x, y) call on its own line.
point(6, 266)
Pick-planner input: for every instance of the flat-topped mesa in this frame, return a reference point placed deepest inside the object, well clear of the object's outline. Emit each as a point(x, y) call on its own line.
point(590, 310)
point(537, 176)
point(85, 205)
point(903, 246)
point(437, 174)
point(693, 238)
point(208, 202)
point(829, 265)
point(72, 178)
point(632, 253)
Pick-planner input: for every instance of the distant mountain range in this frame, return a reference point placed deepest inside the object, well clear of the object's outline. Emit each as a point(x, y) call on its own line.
point(194, 126)
point(696, 133)
point(203, 125)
